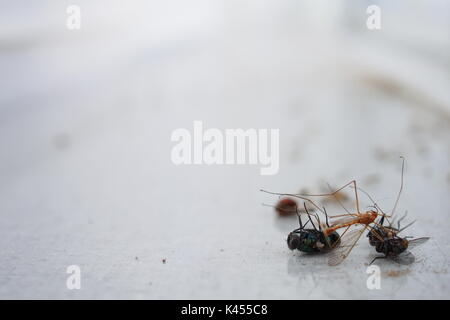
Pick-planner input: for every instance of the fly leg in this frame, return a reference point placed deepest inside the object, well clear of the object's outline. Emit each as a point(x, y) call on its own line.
point(379, 257)
point(309, 217)
point(299, 218)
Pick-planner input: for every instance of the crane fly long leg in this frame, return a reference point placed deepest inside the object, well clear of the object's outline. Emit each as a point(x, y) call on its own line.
point(334, 193)
point(337, 199)
point(375, 204)
point(401, 186)
point(348, 242)
point(295, 196)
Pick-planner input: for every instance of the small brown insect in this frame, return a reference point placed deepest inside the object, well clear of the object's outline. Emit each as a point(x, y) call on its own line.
point(286, 207)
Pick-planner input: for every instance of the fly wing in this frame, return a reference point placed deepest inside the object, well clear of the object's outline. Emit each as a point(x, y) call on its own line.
point(348, 241)
point(405, 258)
point(417, 242)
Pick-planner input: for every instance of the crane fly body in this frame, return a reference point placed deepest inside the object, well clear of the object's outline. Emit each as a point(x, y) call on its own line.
point(360, 218)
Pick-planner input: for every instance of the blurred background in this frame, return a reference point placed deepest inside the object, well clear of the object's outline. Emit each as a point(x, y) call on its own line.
point(86, 118)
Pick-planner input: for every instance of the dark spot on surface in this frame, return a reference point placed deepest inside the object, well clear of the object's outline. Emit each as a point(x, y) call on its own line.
point(372, 179)
point(61, 141)
point(164, 260)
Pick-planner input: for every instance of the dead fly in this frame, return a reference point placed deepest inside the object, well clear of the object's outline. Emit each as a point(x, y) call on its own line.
point(392, 246)
point(385, 239)
point(312, 240)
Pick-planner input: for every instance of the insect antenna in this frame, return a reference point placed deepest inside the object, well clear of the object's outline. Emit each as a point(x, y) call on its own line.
point(268, 205)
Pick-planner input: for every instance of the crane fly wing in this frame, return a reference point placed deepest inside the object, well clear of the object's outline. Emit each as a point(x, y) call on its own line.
point(417, 242)
point(405, 258)
point(348, 241)
point(342, 220)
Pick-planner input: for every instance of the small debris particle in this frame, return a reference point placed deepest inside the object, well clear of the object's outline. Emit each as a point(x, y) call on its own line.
point(136, 258)
point(164, 260)
point(221, 250)
point(397, 273)
point(286, 207)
